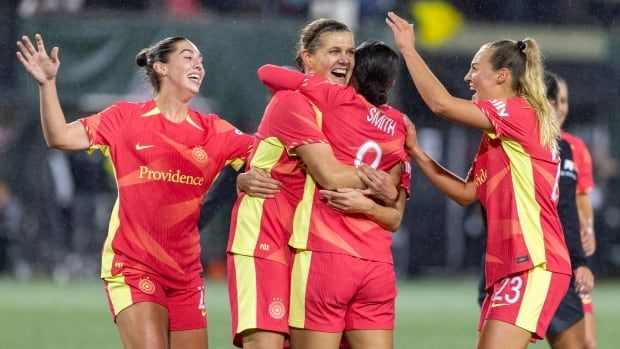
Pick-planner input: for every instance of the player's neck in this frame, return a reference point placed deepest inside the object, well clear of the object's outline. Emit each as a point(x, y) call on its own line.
point(171, 108)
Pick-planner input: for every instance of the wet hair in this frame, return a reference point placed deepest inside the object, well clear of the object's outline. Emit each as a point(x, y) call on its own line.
point(158, 52)
point(309, 37)
point(376, 66)
point(552, 83)
point(524, 61)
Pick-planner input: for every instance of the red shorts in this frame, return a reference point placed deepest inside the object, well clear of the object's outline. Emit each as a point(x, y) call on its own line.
point(528, 300)
point(258, 290)
point(333, 292)
point(186, 307)
point(586, 302)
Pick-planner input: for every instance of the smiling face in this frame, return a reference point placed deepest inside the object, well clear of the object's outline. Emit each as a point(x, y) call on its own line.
point(482, 78)
point(184, 70)
point(334, 57)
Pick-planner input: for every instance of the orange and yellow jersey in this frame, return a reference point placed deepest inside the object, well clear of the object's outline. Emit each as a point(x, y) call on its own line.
point(582, 161)
point(517, 184)
point(358, 132)
point(262, 227)
point(163, 170)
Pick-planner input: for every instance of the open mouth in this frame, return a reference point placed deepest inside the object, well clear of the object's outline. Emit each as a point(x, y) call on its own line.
point(195, 78)
point(340, 73)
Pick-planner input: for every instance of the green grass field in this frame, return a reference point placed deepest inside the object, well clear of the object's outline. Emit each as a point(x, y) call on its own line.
point(430, 314)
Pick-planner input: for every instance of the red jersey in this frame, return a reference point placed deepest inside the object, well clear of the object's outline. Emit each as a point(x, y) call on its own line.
point(358, 132)
point(517, 184)
point(259, 227)
point(163, 170)
point(583, 163)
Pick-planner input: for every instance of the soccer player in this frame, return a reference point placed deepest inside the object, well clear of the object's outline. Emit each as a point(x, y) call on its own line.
point(358, 131)
point(165, 157)
point(568, 327)
point(293, 128)
point(514, 175)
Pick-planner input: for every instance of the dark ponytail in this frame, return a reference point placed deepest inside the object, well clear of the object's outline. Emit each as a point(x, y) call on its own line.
point(158, 52)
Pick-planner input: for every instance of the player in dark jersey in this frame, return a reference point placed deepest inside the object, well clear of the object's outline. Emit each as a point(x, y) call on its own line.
point(567, 328)
point(514, 175)
point(165, 157)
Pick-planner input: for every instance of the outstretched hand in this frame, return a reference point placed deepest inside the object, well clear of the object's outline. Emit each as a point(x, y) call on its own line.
point(36, 61)
point(404, 35)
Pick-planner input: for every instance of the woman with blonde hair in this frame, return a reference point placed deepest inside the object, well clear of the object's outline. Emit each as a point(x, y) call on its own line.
point(514, 175)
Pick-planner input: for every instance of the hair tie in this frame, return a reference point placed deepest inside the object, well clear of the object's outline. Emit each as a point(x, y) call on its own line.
point(520, 45)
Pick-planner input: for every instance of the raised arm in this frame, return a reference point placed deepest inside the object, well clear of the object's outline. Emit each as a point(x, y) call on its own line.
point(43, 68)
point(461, 191)
point(438, 99)
point(278, 78)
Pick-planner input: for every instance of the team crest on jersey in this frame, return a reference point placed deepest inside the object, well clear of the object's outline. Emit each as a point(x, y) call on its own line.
point(146, 286)
point(199, 154)
point(277, 310)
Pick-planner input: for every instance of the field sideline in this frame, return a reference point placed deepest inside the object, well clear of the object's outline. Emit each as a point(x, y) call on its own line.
point(430, 314)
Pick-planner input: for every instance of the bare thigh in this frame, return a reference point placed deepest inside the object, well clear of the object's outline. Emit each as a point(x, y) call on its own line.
point(143, 325)
point(499, 334)
point(571, 338)
point(195, 339)
point(306, 339)
point(257, 339)
point(370, 339)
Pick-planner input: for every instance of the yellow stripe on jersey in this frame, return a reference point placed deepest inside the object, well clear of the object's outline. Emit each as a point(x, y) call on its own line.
point(245, 274)
point(120, 293)
point(236, 164)
point(191, 122)
point(152, 112)
point(250, 212)
point(107, 255)
point(528, 209)
point(299, 282)
point(534, 296)
point(318, 115)
point(303, 212)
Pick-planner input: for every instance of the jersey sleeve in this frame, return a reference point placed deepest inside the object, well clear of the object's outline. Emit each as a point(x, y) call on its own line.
point(278, 78)
point(583, 163)
point(102, 128)
point(509, 123)
point(237, 145)
point(295, 121)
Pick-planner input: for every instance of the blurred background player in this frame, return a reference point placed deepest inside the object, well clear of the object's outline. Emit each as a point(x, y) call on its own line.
point(514, 174)
point(577, 221)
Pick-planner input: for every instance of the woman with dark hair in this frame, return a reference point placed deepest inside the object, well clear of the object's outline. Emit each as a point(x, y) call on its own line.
point(295, 129)
point(361, 128)
point(165, 157)
point(514, 175)
point(568, 326)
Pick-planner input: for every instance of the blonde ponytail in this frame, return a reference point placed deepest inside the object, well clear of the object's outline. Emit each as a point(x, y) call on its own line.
point(524, 60)
point(532, 88)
